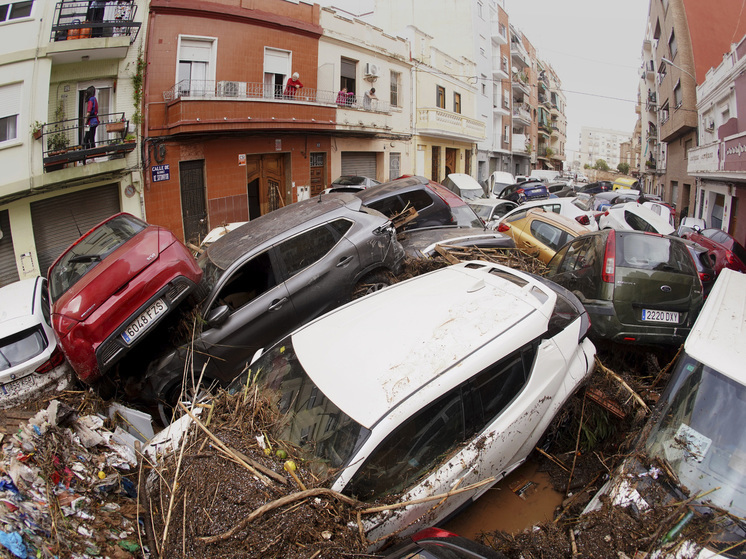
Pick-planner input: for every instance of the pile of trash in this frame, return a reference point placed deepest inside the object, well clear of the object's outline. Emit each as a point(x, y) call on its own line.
point(68, 487)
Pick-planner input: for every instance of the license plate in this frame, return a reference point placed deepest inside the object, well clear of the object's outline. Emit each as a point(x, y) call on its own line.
point(144, 321)
point(660, 316)
point(15, 387)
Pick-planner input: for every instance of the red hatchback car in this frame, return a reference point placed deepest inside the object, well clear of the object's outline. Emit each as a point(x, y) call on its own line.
point(728, 252)
point(113, 285)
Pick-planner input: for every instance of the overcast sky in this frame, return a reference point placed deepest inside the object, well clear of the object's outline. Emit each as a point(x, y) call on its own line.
point(594, 47)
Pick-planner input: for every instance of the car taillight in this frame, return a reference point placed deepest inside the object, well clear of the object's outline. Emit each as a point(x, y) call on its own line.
point(520, 191)
point(63, 324)
point(609, 258)
point(432, 533)
point(503, 228)
point(583, 219)
point(705, 277)
point(732, 260)
point(55, 360)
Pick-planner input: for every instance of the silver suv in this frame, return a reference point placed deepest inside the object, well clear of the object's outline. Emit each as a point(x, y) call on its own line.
point(275, 273)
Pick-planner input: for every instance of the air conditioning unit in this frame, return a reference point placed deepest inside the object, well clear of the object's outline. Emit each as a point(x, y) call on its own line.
point(710, 124)
point(371, 70)
point(231, 89)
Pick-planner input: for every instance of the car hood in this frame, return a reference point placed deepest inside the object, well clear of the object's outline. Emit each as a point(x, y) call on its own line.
point(418, 242)
point(113, 273)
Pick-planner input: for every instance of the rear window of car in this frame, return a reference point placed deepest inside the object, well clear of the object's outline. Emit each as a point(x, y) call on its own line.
point(21, 347)
point(654, 253)
point(85, 254)
point(465, 217)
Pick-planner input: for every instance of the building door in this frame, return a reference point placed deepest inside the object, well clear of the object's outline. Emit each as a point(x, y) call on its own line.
point(435, 164)
point(58, 222)
point(193, 207)
point(359, 163)
point(318, 173)
point(265, 178)
point(451, 158)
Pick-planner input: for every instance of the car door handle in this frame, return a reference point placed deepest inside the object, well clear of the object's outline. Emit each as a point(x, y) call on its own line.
point(277, 303)
point(344, 261)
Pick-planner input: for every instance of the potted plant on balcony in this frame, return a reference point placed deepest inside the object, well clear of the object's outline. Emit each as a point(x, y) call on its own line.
point(36, 129)
point(550, 152)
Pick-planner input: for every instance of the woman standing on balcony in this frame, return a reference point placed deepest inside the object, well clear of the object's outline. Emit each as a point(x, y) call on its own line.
point(91, 118)
point(293, 85)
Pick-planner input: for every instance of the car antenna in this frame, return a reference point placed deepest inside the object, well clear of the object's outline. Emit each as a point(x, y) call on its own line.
point(80, 233)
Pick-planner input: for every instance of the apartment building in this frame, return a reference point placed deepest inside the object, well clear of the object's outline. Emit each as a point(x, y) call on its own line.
point(684, 38)
point(601, 143)
point(54, 186)
point(719, 163)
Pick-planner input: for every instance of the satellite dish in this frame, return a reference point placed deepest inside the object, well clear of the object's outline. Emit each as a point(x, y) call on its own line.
point(515, 70)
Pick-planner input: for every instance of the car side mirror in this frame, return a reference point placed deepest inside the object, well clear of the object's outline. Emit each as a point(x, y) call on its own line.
point(217, 316)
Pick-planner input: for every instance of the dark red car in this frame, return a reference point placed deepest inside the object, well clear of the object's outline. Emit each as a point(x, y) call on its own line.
point(728, 252)
point(112, 286)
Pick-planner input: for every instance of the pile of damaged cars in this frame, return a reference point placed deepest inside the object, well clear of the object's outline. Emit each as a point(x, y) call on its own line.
point(460, 397)
point(691, 455)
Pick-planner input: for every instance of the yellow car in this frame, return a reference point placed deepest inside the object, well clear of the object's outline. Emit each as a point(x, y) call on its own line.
point(539, 232)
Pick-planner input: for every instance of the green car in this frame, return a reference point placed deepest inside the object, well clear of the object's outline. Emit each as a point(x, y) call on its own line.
point(637, 287)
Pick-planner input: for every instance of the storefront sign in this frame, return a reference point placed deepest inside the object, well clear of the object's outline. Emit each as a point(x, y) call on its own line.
point(735, 153)
point(703, 159)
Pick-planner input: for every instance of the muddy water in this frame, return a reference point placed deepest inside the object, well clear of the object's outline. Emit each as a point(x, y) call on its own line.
point(519, 501)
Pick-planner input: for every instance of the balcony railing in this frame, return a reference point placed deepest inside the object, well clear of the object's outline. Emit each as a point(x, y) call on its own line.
point(210, 89)
point(436, 120)
point(76, 20)
point(62, 141)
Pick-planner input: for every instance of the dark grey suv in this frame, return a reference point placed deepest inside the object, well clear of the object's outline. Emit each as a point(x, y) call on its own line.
point(273, 274)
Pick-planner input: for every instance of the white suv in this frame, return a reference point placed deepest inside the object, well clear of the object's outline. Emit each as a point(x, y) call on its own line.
point(458, 393)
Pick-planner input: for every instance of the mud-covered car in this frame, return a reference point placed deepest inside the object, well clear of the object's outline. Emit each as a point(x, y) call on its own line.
point(31, 362)
point(273, 274)
point(459, 397)
point(114, 285)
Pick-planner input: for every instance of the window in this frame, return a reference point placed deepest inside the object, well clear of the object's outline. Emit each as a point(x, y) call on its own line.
point(457, 103)
point(395, 87)
point(15, 10)
point(672, 46)
point(394, 165)
point(348, 74)
point(677, 95)
point(505, 66)
point(10, 103)
point(276, 70)
point(196, 69)
point(549, 235)
point(309, 247)
point(253, 278)
point(687, 147)
point(440, 97)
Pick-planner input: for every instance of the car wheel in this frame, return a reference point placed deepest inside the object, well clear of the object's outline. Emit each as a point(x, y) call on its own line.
point(371, 283)
point(168, 409)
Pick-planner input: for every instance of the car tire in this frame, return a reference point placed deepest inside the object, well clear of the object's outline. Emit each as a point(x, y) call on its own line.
point(371, 283)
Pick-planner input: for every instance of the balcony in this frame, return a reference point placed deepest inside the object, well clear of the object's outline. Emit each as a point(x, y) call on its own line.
point(440, 122)
point(519, 143)
point(74, 36)
point(62, 141)
point(522, 115)
point(499, 33)
point(520, 82)
point(519, 53)
point(199, 105)
point(544, 101)
point(499, 68)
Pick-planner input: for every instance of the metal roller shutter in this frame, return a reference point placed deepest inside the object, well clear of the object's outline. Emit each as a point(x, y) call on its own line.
point(360, 163)
point(58, 222)
point(8, 268)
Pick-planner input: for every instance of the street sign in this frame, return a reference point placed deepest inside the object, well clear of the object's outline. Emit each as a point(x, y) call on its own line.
point(160, 173)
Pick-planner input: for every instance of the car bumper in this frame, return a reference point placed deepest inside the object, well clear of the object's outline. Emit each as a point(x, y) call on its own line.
point(605, 324)
point(35, 385)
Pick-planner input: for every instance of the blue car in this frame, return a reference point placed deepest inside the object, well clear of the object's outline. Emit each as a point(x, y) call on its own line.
point(524, 192)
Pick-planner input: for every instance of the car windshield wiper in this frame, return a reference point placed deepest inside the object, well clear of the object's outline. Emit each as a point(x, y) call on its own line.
point(85, 258)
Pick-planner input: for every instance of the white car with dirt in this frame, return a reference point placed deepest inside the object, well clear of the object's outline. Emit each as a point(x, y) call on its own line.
point(455, 398)
point(634, 216)
point(31, 362)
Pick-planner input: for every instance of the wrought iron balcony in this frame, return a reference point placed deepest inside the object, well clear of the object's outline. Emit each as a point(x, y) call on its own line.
point(74, 19)
point(63, 141)
point(210, 89)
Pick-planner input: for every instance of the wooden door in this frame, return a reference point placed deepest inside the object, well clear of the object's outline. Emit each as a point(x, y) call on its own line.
point(265, 179)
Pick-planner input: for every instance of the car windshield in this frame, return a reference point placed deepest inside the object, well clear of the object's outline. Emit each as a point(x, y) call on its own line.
point(327, 435)
point(698, 433)
point(464, 216)
point(469, 194)
point(20, 347)
point(85, 254)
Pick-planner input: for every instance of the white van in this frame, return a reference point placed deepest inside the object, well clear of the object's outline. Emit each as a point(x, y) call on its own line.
point(497, 181)
point(544, 175)
point(696, 428)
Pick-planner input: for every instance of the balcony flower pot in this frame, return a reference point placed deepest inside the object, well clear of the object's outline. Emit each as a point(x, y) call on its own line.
point(117, 127)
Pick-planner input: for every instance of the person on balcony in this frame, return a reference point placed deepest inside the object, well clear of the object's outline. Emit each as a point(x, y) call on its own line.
point(95, 15)
point(344, 97)
point(293, 85)
point(368, 98)
point(91, 118)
